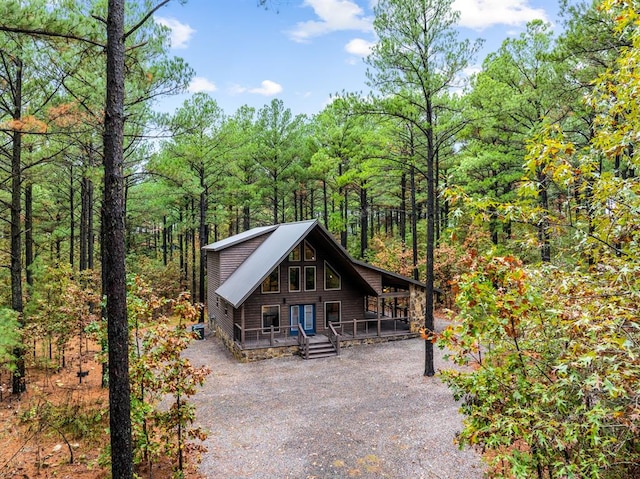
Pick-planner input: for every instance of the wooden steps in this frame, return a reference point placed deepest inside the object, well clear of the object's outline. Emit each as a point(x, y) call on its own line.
point(319, 347)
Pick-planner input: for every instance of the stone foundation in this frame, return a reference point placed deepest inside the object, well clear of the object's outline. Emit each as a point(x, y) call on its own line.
point(249, 355)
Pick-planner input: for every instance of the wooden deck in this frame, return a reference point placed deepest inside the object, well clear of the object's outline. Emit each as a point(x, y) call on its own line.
point(348, 331)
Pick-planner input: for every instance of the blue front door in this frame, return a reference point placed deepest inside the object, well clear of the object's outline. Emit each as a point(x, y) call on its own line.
point(305, 314)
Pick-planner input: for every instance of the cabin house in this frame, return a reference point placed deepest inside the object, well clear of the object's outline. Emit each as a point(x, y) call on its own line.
point(291, 288)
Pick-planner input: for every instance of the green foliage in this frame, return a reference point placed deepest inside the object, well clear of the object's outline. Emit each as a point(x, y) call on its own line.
point(158, 370)
point(70, 418)
point(556, 374)
point(554, 387)
point(9, 337)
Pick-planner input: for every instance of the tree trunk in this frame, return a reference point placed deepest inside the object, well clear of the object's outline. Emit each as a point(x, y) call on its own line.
point(181, 247)
point(203, 254)
point(364, 219)
point(431, 207)
point(246, 218)
point(414, 223)
point(114, 248)
point(164, 240)
point(84, 223)
point(193, 251)
point(72, 218)
point(19, 384)
point(28, 232)
point(90, 233)
point(402, 214)
point(325, 206)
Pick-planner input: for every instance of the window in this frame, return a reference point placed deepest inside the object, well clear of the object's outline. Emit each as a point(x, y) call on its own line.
point(295, 254)
point(294, 278)
point(331, 278)
point(309, 252)
point(272, 283)
point(309, 278)
point(270, 317)
point(331, 312)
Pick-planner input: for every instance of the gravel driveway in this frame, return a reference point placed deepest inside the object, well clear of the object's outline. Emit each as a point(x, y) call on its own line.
point(369, 413)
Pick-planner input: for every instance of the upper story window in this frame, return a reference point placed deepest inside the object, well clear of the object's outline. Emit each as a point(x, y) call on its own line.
point(331, 277)
point(309, 278)
point(294, 278)
point(309, 252)
point(272, 282)
point(295, 254)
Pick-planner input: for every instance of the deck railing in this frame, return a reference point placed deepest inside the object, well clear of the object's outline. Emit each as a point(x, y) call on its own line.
point(383, 326)
point(292, 334)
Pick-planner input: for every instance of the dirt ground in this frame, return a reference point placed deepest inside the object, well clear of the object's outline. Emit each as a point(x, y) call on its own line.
point(31, 449)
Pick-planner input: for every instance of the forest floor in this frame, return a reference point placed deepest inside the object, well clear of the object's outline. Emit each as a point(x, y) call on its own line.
point(369, 413)
point(31, 447)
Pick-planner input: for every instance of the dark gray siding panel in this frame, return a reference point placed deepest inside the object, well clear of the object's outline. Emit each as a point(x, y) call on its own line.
point(372, 277)
point(216, 306)
point(351, 298)
point(234, 256)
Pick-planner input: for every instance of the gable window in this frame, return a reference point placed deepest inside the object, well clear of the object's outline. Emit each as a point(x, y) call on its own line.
point(331, 277)
point(309, 278)
point(332, 312)
point(309, 252)
point(294, 278)
point(270, 317)
point(272, 282)
point(295, 254)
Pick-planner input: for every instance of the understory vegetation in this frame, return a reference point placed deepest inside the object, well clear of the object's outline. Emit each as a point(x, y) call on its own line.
point(514, 192)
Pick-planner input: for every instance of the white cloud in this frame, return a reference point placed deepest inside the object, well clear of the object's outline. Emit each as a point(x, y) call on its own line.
point(334, 15)
point(480, 14)
point(199, 84)
point(471, 70)
point(359, 47)
point(181, 33)
point(266, 88)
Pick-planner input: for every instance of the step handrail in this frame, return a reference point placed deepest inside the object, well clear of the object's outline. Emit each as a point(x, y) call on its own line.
point(334, 337)
point(303, 341)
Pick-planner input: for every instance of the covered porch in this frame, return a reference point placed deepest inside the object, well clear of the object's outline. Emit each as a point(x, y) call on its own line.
point(386, 316)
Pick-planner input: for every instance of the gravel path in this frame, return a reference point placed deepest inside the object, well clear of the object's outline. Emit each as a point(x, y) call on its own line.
point(369, 413)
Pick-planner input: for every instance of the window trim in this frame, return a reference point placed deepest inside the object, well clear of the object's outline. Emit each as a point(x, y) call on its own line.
point(308, 245)
point(326, 264)
point(277, 268)
point(291, 259)
point(299, 279)
point(266, 329)
point(326, 319)
point(315, 279)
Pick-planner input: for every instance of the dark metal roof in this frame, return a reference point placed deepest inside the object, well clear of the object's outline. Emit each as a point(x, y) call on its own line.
point(390, 275)
point(276, 247)
point(253, 271)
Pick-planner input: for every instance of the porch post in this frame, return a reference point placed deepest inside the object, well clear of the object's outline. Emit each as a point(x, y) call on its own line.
point(242, 326)
point(379, 315)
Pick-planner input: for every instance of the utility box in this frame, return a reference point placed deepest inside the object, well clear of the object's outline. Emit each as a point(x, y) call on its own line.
point(198, 329)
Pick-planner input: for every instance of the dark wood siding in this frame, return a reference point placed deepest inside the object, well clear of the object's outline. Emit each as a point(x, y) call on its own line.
point(350, 295)
point(216, 306)
point(372, 277)
point(234, 256)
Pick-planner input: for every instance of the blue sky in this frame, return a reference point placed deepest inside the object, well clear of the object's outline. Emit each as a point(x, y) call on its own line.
point(304, 51)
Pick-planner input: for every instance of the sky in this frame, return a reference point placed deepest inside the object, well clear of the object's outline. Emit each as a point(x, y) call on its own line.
point(305, 52)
